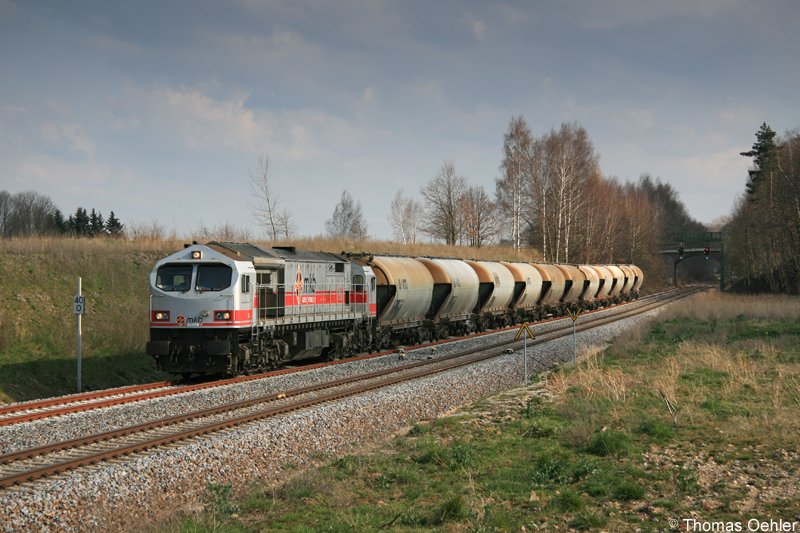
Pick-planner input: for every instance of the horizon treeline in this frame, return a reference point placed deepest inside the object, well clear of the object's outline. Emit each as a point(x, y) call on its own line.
point(550, 195)
point(763, 241)
point(29, 213)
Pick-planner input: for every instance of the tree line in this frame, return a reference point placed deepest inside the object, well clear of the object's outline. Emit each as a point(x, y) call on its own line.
point(29, 213)
point(550, 194)
point(763, 236)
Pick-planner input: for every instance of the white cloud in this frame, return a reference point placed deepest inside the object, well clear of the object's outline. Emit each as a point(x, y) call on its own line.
point(59, 177)
point(199, 121)
point(202, 122)
point(72, 134)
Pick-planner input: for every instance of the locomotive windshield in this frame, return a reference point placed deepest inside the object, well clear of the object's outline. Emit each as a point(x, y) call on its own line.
point(213, 277)
point(174, 277)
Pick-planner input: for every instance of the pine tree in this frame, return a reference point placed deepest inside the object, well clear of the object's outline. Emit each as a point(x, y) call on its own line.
point(763, 153)
point(81, 223)
point(96, 224)
point(113, 226)
point(57, 223)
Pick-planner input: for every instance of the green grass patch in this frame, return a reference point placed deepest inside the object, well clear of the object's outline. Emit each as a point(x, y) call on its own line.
point(604, 454)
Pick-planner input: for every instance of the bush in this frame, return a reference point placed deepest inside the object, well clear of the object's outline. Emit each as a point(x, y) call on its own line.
point(610, 442)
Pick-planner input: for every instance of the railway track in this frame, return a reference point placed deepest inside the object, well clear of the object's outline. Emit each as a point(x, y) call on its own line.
point(29, 465)
point(76, 403)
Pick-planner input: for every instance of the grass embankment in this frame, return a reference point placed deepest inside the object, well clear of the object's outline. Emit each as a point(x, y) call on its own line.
point(693, 416)
point(38, 329)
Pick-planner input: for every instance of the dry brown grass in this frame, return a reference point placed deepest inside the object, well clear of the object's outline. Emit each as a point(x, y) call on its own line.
point(338, 245)
point(66, 246)
point(746, 392)
point(591, 379)
point(718, 306)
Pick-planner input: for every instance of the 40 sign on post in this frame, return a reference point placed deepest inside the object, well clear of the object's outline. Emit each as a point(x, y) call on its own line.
point(79, 305)
point(79, 308)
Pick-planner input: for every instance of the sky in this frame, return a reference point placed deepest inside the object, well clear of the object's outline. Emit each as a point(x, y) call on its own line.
point(160, 111)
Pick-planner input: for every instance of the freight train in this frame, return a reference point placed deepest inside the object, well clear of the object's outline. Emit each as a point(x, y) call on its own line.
point(235, 308)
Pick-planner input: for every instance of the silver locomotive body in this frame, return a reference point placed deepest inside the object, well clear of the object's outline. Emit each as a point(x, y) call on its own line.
point(232, 308)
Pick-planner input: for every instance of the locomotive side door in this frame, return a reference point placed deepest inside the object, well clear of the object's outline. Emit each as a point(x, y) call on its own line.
point(247, 301)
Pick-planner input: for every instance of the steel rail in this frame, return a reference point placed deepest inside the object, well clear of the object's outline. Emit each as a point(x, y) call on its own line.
point(420, 367)
point(109, 398)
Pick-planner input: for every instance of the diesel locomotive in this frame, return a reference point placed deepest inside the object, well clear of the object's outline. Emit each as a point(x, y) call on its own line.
point(235, 308)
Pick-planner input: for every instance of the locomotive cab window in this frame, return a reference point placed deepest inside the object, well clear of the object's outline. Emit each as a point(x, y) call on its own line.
point(245, 284)
point(174, 278)
point(213, 277)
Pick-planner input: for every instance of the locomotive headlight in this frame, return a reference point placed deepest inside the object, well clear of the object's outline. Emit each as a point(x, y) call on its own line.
point(161, 316)
point(197, 254)
point(222, 315)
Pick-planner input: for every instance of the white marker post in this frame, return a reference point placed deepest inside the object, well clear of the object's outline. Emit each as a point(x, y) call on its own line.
point(79, 307)
point(524, 328)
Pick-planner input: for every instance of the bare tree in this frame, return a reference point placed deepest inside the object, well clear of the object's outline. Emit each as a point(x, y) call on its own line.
point(442, 196)
point(5, 212)
point(26, 213)
point(286, 224)
point(404, 218)
point(265, 203)
point(479, 216)
point(347, 219)
point(516, 175)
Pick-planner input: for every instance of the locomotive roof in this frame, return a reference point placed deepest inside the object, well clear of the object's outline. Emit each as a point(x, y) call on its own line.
point(287, 253)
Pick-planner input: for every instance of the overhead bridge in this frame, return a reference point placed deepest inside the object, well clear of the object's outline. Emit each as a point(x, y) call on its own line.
point(686, 245)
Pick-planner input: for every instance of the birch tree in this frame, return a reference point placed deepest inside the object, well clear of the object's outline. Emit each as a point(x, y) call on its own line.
point(515, 176)
point(404, 216)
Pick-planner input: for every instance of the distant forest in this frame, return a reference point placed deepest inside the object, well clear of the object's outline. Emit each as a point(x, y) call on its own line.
point(30, 213)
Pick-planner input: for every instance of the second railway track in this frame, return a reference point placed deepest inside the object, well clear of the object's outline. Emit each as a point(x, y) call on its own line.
point(28, 465)
point(77, 403)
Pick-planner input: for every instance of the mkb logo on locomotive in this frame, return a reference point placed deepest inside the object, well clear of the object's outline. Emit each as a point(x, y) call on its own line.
point(183, 321)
